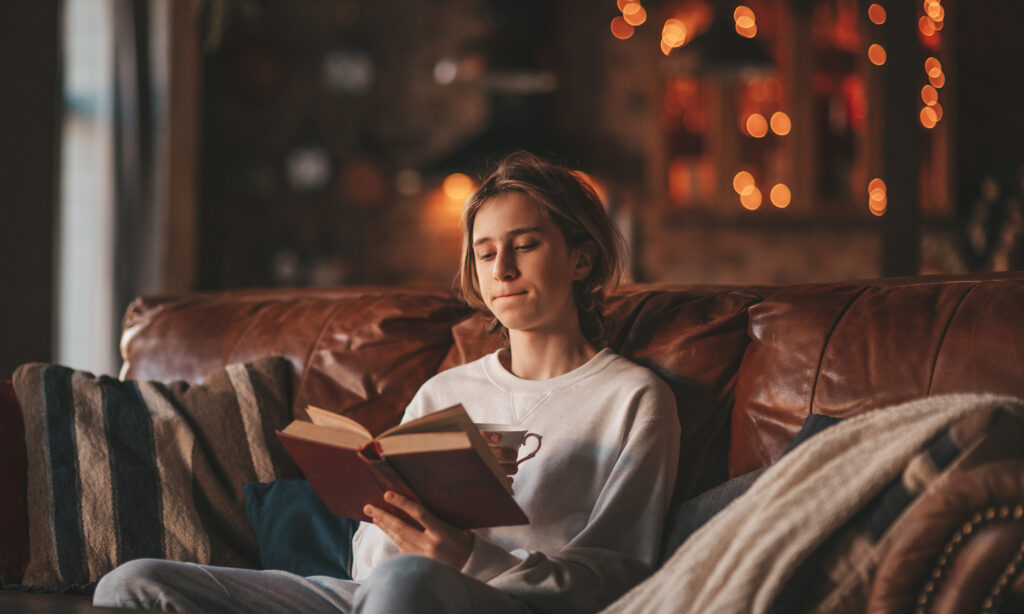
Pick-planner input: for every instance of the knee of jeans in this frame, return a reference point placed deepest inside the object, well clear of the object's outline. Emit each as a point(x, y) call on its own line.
point(127, 583)
point(410, 570)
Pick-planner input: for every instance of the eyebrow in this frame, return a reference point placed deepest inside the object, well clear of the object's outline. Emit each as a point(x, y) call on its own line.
point(515, 232)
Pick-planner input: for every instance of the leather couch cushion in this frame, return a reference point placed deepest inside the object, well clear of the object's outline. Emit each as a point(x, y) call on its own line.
point(842, 349)
point(360, 351)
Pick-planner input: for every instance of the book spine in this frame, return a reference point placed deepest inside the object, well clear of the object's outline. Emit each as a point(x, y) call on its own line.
point(388, 479)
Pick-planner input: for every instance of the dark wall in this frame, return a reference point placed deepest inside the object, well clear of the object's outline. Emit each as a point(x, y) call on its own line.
point(990, 120)
point(29, 56)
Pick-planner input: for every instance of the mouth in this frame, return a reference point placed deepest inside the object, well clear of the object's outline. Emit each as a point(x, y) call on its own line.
point(509, 295)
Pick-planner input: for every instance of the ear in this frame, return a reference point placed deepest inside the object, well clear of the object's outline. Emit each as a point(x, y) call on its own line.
point(583, 260)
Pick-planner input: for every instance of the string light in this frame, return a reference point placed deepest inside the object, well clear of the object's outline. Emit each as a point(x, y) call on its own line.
point(634, 14)
point(876, 53)
point(781, 124)
point(877, 199)
point(780, 195)
point(620, 29)
point(876, 13)
point(929, 118)
point(673, 33)
point(757, 125)
point(929, 95)
point(746, 22)
point(751, 200)
point(743, 183)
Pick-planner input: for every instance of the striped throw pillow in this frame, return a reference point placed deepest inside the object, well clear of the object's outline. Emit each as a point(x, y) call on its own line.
point(119, 470)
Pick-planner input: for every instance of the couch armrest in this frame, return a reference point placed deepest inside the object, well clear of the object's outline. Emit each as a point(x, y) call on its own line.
point(960, 548)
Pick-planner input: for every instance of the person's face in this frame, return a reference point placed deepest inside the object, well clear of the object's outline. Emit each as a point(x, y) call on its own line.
point(524, 267)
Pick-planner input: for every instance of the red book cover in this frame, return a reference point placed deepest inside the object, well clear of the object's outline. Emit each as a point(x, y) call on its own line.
point(445, 470)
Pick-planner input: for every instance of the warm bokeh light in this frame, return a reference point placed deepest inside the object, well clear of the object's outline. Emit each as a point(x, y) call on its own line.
point(780, 195)
point(781, 125)
point(876, 195)
point(878, 207)
point(876, 13)
point(935, 11)
point(743, 11)
point(877, 199)
point(746, 23)
point(876, 53)
point(749, 32)
point(743, 182)
point(620, 29)
point(938, 111)
point(757, 125)
point(673, 33)
point(926, 25)
point(938, 80)
point(622, 4)
point(630, 8)
point(751, 200)
point(933, 67)
point(665, 47)
point(929, 117)
point(635, 17)
point(929, 95)
point(457, 186)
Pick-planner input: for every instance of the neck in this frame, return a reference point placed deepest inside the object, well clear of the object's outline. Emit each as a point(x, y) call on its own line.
point(543, 356)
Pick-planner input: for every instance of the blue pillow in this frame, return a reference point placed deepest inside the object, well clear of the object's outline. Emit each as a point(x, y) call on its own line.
point(296, 531)
point(685, 518)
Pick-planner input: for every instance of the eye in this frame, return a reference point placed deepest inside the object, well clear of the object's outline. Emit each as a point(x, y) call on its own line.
point(525, 247)
point(485, 256)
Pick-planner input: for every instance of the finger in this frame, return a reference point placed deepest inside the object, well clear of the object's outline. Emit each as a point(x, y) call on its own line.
point(414, 509)
point(405, 536)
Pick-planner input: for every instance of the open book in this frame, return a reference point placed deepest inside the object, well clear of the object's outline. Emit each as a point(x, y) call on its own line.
point(440, 460)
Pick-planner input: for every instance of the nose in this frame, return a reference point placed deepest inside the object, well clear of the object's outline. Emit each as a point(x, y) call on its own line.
point(505, 265)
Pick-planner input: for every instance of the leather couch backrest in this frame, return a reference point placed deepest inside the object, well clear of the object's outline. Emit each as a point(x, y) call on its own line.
point(842, 349)
point(747, 365)
point(365, 351)
point(361, 351)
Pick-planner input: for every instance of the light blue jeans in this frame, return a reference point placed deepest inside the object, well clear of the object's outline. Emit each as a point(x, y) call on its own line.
point(405, 583)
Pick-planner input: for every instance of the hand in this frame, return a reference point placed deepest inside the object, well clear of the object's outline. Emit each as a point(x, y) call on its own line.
point(438, 539)
point(506, 456)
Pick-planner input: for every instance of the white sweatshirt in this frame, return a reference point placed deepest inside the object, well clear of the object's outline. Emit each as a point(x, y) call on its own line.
point(596, 493)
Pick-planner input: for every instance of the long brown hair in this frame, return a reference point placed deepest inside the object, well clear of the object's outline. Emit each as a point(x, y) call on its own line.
point(575, 208)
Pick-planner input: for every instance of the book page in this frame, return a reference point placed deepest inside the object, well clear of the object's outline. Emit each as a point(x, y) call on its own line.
point(338, 438)
point(452, 419)
point(405, 443)
point(322, 417)
point(445, 420)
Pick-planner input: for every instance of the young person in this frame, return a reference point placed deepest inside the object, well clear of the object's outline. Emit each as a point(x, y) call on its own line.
point(539, 254)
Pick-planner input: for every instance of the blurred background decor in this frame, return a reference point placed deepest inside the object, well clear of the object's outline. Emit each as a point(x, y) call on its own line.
point(162, 147)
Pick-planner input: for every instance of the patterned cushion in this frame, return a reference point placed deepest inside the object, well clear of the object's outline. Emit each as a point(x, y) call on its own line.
point(119, 470)
point(837, 576)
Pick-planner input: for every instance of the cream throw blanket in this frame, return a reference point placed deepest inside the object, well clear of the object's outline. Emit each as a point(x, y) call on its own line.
point(740, 560)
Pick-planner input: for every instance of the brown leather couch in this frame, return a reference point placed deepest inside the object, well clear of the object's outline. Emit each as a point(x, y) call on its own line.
point(747, 364)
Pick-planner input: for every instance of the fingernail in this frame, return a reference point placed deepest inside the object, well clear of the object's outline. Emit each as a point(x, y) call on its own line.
point(389, 496)
point(368, 510)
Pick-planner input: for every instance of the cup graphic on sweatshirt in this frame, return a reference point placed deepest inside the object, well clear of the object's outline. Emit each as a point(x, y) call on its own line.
point(511, 438)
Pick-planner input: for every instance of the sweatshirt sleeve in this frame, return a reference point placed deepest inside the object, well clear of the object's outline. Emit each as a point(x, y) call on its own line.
point(619, 545)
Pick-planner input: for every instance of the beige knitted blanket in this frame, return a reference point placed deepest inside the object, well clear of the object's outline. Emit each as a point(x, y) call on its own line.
point(740, 560)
